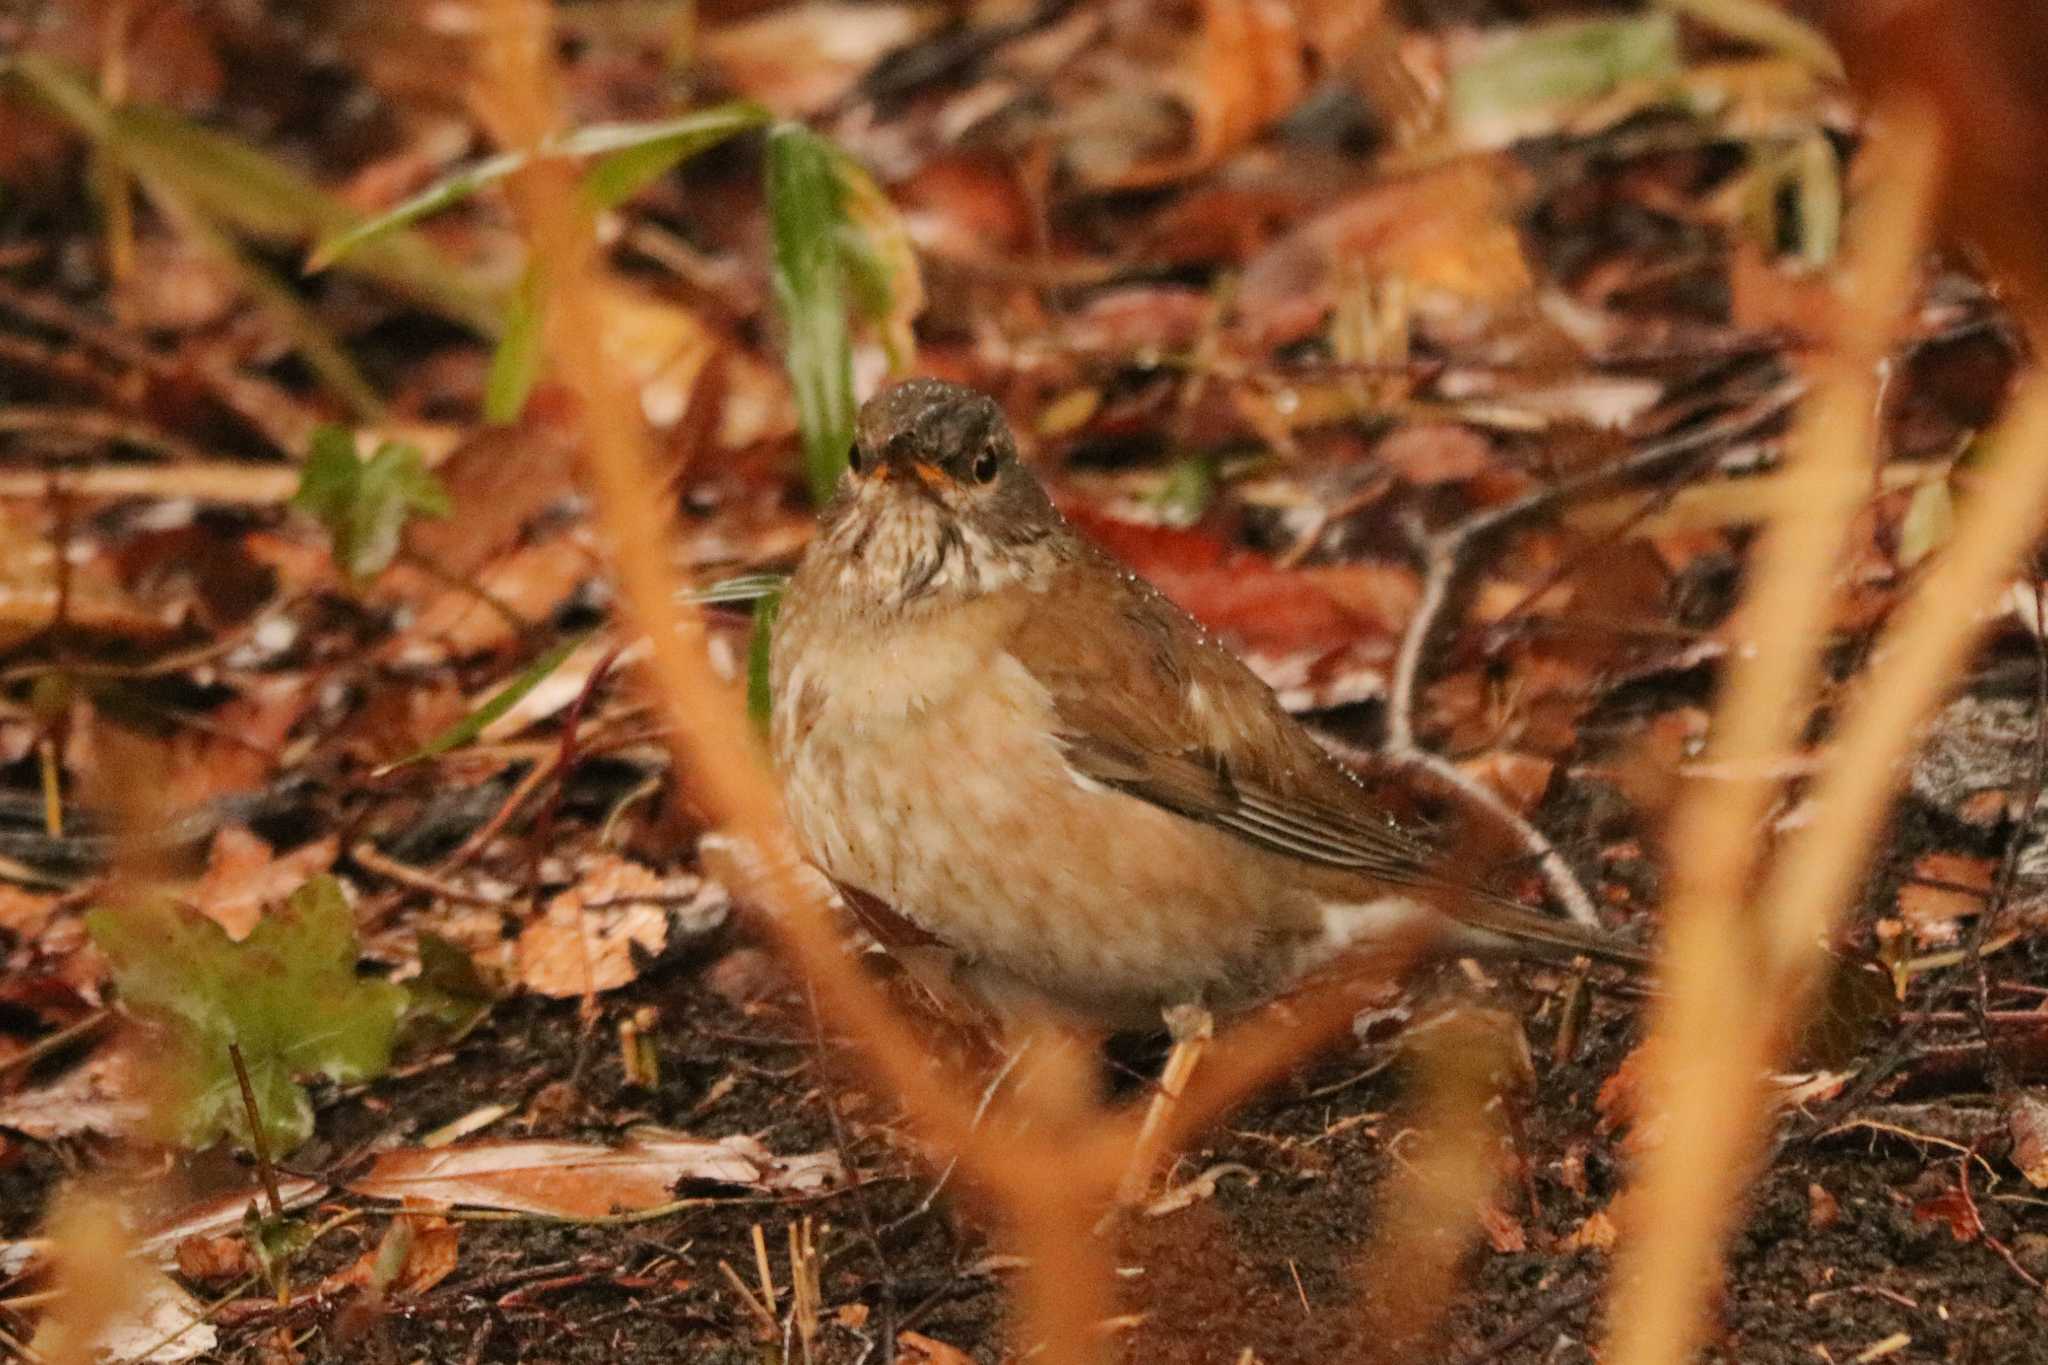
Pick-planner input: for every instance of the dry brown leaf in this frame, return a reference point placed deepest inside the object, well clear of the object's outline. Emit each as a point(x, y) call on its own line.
point(432, 1247)
point(1427, 453)
point(585, 1180)
point(915, 1348)
point(2027, 1122)
point(25, 914)
point(461, 622)
point(1246, 68)
point(1520, 779)
point(107, 1094)
point(244, 875)
point(1449, 232)
point(799, 59)
point(215, 1258)
point(1598, 1233)
point(584, 940)
point(1932, 910)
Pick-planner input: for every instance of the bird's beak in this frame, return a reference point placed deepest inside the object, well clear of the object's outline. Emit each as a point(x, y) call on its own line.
point(930, 475)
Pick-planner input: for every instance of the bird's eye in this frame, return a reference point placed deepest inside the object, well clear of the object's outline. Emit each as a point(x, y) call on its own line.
point(853, 458)
point(985, 466)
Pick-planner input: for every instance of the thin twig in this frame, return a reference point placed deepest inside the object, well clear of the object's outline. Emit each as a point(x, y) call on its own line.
point(1447, 557)
point(259, 1140)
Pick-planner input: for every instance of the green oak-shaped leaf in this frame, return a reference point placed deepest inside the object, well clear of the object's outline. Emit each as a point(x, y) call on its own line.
point(288, 995)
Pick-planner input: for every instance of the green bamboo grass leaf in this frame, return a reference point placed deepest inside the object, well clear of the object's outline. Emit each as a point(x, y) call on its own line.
point(806, 212)
point(632, 156)
point(443, 193)
point(322, 351)
point(516, 361)
point(750, 587)
point(287, 995)
point(243, 189)
point(629, 156)
point(1562, 63)
point(760, 651)
point(466, 730)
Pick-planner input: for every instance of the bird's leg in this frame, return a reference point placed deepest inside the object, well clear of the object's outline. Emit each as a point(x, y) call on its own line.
point(1191, 1028)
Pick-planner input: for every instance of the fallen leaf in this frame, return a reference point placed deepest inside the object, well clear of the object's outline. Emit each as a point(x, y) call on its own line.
point(1965, 892)
point(1428, 453)
point(244, 874)
point(214, 1259)
point(1449, 232)
point(431, 1245)
point(585, 940)
point(585, 1180)
point(915, 1348)
point(165, 1325)
point(220, 1216)
point(1597, 1233)
point(799, 59)
point(2027, 1121)
point(288, 995)
point(1823, 1210)
point(1953, 1208)
point(1520, 779)
point(107, 1094)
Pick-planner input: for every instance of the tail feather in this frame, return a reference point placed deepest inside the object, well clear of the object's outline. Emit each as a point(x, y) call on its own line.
point(1527, 933)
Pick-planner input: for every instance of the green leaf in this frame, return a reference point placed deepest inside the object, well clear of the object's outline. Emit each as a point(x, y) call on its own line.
point(1928, 523)
point(288, 995)
point(276, 1243)
point(1562, 63)
point(516, 362)
point(635, 155)
point(451, 995)
point(365, 504)
point(449, 190)
point(632, 155)
point(504, 699)
point(805, 209)
point(244, 188)
point(746, 587)
point(760, 651)
point(1189, 489)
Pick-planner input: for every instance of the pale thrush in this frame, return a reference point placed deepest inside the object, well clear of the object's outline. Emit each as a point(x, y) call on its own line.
point(1029, 753)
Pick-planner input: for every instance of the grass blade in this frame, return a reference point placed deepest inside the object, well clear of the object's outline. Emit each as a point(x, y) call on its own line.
point(516, 362)
point(750, 587)
point(807, 213)
point(760, 649)
point(466, 730)
point(631, 155)
point(238, 187)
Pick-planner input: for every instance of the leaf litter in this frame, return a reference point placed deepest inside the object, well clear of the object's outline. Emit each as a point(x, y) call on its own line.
point(1273, 295)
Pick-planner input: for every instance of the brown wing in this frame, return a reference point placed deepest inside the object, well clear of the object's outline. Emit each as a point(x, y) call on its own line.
point(1149, 704)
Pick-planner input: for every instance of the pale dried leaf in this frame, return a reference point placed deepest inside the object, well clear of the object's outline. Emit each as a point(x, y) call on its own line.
point(585, 1180)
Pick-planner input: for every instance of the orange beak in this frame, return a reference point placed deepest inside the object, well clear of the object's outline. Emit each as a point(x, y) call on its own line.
point(931, 476)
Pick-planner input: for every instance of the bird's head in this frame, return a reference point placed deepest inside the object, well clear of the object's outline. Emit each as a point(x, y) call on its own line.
point(934, 504)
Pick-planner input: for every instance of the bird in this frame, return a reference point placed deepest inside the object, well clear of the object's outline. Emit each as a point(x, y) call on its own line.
point(993, 727)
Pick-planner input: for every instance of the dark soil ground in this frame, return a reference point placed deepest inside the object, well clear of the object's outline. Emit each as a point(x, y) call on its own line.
point(1890, 1221)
